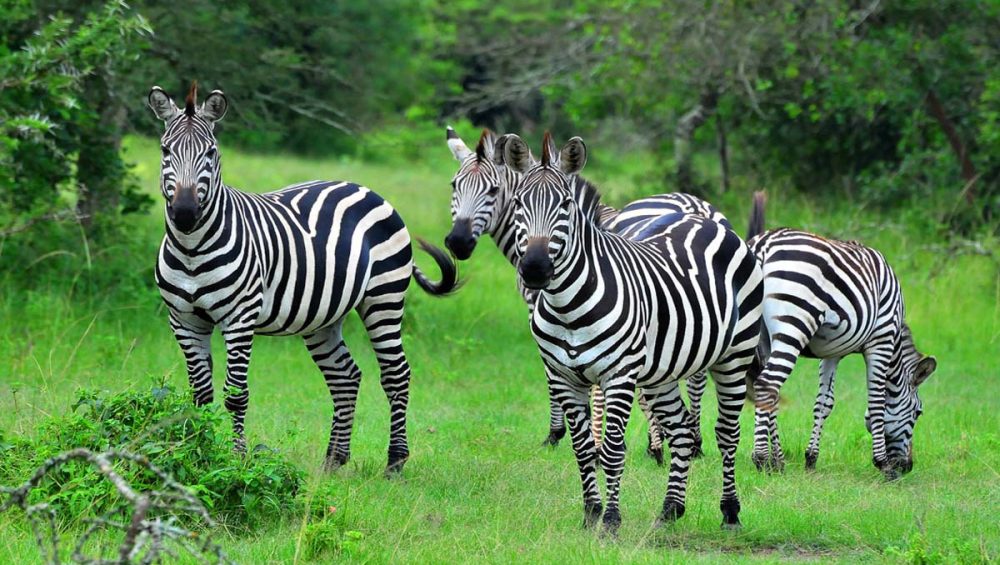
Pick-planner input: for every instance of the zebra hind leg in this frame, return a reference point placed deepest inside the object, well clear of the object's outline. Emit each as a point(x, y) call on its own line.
point(695, 390)
point(342, 378)
point(822, 409)
point(730, 381)
point(382, 315)
point(654, 434)
point(557, 421)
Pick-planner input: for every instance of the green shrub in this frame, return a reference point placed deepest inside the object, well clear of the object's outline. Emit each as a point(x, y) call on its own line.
point(194, 445)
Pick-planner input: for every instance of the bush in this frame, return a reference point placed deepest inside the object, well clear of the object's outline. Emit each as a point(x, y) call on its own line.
point(194, 445)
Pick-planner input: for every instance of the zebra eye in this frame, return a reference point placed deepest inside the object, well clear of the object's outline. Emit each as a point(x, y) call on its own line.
point(210, 153)
point(493, 190)
point(165, 150)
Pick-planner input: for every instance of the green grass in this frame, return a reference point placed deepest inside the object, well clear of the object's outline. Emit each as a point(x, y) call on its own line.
point(479, 486)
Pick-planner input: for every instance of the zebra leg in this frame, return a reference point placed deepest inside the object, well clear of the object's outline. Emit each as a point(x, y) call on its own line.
point(730, 381)
point(695, 390)
point(823, 407)
point(787, 341)
point(655, 432)
point(382, 315)
point(239, 342)
point(597, 414)
point(877, 360)
point(342, 377)
point(668, 406)
point(196, 345)
point(557, 421)
point(575, 404)
point(619, 395)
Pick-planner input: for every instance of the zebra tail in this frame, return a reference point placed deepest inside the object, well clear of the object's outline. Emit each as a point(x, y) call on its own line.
point(757, 215)
point(449, 272)
point(761, 353)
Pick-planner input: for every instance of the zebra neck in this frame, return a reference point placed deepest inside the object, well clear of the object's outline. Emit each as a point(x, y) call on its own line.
point(504, 233)
point(580, 275)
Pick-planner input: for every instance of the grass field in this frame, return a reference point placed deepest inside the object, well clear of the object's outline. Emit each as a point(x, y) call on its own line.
point(479, 487)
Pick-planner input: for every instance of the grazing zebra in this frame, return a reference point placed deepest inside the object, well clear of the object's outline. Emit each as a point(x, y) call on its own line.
point(682, 296)
point(291, 262)
point(481, 203)
point(828, 299)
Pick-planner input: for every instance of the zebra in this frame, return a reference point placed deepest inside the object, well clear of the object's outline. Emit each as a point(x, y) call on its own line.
point(683, 295)
point(828, 299)
point(481, 203)
point(291, 262)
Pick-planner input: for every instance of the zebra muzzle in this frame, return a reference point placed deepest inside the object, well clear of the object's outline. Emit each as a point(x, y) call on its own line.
point(460, 240)
point(535, 267)
point(184, 210)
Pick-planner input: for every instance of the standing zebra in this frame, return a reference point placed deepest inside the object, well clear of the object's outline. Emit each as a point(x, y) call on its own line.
point(482, 203)
point(681, 297)
point(828, 299)
point(291, 262)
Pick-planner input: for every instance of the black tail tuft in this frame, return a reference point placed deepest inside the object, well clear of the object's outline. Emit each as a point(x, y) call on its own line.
point(757, 215)
point(449, 272)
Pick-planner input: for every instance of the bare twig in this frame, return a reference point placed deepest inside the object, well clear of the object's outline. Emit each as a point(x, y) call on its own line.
point(57, 216)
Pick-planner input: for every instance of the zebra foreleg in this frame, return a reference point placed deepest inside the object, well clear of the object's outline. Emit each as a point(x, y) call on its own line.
point(342, 377)
point(667, 405)
point(619, 395)
point(823, 407)
point(695, 386)
point(574, 401)
point(876, 360)
point(382, 316)
point(239, 342)
point(196, 345)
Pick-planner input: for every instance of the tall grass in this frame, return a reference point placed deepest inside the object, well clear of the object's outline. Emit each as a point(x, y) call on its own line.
point(479, 486)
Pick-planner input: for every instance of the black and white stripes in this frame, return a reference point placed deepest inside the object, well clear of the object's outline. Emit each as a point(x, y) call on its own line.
point(291, 262)
point(681, 297)
point(828, 299)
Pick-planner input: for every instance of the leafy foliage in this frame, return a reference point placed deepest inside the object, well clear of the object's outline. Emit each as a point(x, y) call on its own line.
point(186, 442)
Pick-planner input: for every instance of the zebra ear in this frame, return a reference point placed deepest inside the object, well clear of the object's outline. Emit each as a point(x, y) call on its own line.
point(517, 155)
point(214, 107)
point(573, 156)
point(498, 158)
point(161, 104)
point(925, 368)
point(457, 146)
point(486, 146)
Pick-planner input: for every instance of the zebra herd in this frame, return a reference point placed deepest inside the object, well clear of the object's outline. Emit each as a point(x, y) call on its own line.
point(623, 304)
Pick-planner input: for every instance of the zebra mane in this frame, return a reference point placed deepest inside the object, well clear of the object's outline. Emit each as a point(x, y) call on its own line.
point(588, 198)
point(191, 100)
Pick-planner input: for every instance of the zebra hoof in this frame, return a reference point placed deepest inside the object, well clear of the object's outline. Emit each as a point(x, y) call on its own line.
point(656, 454)
point(554, 437)
point(395, 466)
point(591, 513)
point(696, 450)
point(335, 461)
point(760, 461)
point(612, 523)
point(672, 511)
point(892, 473)
point(730, 514)
point(811, 457)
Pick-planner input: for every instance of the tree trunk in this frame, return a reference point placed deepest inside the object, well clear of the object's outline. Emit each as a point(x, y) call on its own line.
point(720, 130)
point(683, 134)
point(100, 170)
point(936, 109)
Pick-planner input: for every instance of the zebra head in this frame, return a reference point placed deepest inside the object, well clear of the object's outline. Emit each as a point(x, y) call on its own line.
point(479, 191)
point(190, 173)
point(545, 206)
point(908, 369)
